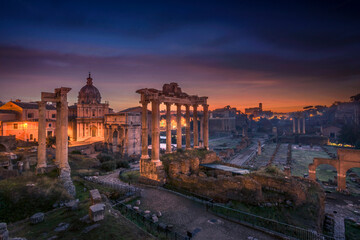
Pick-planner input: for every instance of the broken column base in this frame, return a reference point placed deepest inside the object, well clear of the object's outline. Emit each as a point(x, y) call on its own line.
point(65, 178)
point(97, 212)
point(152, 170)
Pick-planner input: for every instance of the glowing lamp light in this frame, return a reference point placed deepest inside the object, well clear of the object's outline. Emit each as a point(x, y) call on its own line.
point(25, 125)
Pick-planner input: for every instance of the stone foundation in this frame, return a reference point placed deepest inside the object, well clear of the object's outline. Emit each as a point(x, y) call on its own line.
point(152, 171)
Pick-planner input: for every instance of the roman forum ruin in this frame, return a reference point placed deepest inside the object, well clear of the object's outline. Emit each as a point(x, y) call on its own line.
point(170, 94)
point(61, 160)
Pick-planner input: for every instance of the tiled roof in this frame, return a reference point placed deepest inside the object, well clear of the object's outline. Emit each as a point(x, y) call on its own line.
point(32, 105)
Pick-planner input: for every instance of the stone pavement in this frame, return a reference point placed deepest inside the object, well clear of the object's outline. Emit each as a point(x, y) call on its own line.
point(187, 215)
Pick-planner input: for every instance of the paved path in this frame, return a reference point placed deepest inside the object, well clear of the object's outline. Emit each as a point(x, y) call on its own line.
point(187, 215)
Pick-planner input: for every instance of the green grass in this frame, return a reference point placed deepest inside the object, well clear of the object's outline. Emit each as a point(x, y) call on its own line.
point(352, 232)
point(18, 201)
point(112, 227)
point(130, 176)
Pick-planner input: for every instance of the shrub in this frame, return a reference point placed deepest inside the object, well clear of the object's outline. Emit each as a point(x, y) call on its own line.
point(108, 166)
point(130, 176)
point(122, 164)
point(103, 157)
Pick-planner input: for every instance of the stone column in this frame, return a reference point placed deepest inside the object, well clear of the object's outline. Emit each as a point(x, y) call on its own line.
point(206, 126)
point(202, 131)
point(187, 128)
point(178, 127)
point(144, 132)
point(64, 164)
point(155, 138)
point(298, 127)
point(195, 123)
point(41, 163)
point(294, 127)
point(303, 130)
point(168, 127)
point(58, 135)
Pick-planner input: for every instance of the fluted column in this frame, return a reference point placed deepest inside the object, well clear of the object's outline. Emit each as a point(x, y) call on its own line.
point(168, 127)
point(144, 132)
point(58, 135)
point(64, 164)
point(155, 137)
point(195, 127)
point(187, 129)
point(178, 127)
point(303, 130)
point(294, 123)
point(41, 162)
point(206, 126)
point(298, 127)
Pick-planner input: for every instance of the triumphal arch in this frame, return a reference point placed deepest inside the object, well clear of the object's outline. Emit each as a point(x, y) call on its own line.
point(170, 94)
point(346, 159)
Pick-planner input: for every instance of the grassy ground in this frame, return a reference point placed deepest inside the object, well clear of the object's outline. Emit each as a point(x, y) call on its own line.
point(263, 159)
point(130, 176)
point(22, 196)
point(112, 227)
point(83, 165)
point(352, 231)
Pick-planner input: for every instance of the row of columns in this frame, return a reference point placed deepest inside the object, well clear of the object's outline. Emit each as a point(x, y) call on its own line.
point(61, 132)
point(299, 125)
point(155, 151)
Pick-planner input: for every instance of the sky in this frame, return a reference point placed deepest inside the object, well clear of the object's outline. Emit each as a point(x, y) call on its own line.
point(285, 54)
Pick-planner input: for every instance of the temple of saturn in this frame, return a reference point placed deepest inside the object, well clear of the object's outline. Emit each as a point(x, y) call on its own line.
point(298, 118)
point(171, 94)
point(61, 160)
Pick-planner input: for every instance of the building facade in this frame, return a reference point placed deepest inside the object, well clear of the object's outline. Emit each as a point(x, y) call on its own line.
point(87, 116)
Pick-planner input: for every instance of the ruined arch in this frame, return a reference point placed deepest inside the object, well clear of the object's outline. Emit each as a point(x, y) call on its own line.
point(346, 159)
point(93, 131)
point(115, 137)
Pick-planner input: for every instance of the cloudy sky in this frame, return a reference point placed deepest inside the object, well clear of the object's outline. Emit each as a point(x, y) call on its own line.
point(286, 54)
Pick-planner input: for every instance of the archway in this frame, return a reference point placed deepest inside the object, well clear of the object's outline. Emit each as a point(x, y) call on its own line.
point(115, 140)
point(353, 180)
point(93, 130)
point(2, 148)
point(327, 173)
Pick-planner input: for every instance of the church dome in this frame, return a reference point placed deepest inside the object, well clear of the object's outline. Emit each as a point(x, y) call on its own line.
point(89, 93)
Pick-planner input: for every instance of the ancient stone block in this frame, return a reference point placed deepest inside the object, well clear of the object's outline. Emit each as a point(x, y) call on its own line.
point(37, 218)
point(4, 233)
point(97, 212)
point(95, 196)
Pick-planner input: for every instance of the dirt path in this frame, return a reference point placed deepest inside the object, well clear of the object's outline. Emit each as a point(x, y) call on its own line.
point(187, 215)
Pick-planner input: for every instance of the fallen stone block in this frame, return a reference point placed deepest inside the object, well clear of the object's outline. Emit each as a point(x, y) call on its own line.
point(95, 196)
point(73, 204)
point(97, 212)
point(37, 218)
point(89, 228)
point(4, 233)
point(62, 227)
point(155, 218)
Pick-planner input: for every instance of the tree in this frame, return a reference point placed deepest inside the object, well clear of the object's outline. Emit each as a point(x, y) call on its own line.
point(350, 134)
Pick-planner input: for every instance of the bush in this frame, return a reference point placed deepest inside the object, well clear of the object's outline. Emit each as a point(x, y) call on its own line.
point(108, 166)
point(75, 152)
point(103, 157)
point(130, 176)
point(122, 164)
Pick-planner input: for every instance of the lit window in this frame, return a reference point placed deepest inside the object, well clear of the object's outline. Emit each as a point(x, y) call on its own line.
point(30, 115)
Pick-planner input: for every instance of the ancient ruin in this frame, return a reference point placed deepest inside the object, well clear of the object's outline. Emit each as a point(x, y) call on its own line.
point(347, 159)
point(299, 117)
point(170, 94)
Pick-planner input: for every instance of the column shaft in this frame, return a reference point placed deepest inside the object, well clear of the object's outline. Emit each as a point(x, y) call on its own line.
point(64, 164)
point(155, 148)
point(144, 132)
point(206, 126)
point(294, 123)
point(195, 127)
point(58, 135)
point(168, 128)
point(303, 130)
point(298, 127)
point(187, 129)
point(41, 163)
point(178, 127)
